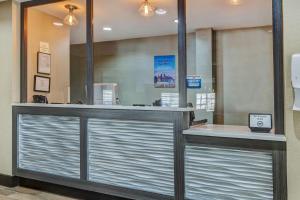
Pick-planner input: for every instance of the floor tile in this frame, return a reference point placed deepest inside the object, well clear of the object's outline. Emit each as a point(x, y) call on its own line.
point(6, 191)
point(3, 197)
point(21, 193)
point(22, 196)
point(49, 196)
point(26, 190)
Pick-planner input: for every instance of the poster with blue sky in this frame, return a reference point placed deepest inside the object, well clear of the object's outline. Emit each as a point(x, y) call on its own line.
point(164, 71)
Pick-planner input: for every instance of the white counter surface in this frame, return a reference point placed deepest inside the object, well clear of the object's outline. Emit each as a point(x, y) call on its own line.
point(225, 131)
point(105, 107)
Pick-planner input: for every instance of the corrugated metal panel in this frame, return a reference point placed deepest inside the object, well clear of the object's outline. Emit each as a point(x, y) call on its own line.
point(228, 174)
point(132, 154)
point(49, 144)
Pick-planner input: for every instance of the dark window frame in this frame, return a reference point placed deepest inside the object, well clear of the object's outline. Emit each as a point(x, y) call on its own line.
point(182, 58)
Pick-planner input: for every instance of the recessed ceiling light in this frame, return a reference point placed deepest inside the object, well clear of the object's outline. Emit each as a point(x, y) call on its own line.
point(235, 2)
point(58, 24)
point(106, 28)
point(176, 21)
point(160, 11)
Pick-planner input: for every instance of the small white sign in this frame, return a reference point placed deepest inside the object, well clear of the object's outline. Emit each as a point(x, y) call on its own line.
point(44, 47)
point(260, 121)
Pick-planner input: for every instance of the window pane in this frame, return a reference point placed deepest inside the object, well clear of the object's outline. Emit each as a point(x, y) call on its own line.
point(53, 56)
point(135, 56)
point(230, 48)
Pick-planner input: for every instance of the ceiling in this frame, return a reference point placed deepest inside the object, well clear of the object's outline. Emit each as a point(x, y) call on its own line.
point(123, 17)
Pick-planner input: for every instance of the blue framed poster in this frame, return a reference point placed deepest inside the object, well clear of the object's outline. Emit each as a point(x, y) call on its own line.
point(193, 82)
point(165, 71)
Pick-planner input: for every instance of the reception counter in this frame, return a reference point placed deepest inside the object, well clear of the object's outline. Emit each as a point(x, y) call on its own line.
point(145, 153)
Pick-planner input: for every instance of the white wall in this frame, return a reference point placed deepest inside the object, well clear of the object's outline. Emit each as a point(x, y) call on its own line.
point(9, 79)
point(292, 119)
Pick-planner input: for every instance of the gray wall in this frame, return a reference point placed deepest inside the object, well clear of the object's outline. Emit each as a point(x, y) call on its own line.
point(245, 73)
point(200, 64)
point(130, 64)
point(78, 63)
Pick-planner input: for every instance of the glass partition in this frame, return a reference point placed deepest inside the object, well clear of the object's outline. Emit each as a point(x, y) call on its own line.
point(53, 54)
point(230, 52)
point(135, 53)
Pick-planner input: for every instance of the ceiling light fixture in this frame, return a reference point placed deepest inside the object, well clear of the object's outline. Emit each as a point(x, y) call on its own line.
point(235, 2)
point(59, 24)
point(146, 9)
point(71, 19)
point(176, 21)
point(160, 11)
point(106, 28)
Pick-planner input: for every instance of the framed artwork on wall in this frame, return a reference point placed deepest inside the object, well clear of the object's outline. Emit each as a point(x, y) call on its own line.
point(43, 63)
point(164, 71)
point(41, 84)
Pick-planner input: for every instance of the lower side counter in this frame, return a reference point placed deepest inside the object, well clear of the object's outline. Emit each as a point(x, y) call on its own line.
point(143, 155)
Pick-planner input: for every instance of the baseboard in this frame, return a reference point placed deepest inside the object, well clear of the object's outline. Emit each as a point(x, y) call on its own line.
point(9, 181)
point(65, 191)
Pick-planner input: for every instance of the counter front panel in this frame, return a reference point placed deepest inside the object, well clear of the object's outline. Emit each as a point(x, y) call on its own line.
point(146, 154)
point(49, 144)
point(128, 153)
point(132, 154)
point(228, 173)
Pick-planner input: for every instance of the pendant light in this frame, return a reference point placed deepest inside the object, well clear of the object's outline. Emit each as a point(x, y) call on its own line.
point(146, 9)
point(235, 2)
point(71, 19)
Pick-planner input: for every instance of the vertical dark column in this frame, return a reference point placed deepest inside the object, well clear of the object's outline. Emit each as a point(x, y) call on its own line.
point(90, 52)
point(280, 173)
point(182, 54)
point(217, 113)
point(83, 148)
point(23, 52)
point(15, 145)
point(278, 66)
point(179, 181)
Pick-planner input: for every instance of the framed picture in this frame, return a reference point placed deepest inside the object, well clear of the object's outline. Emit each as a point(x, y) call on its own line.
point(164, 71)
point(41, 84)
point(43, 63)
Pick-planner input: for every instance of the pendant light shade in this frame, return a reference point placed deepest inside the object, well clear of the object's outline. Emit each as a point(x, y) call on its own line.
point(71, 19)
point(146, 9)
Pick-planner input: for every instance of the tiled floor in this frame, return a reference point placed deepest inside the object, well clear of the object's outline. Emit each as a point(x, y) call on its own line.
point(20, 193)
